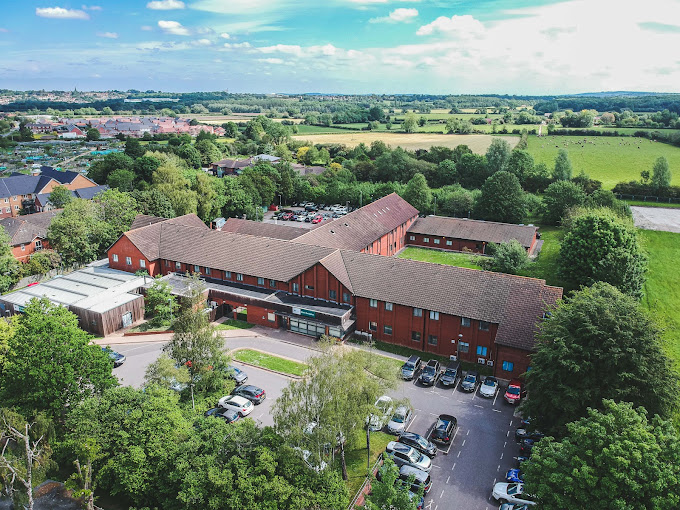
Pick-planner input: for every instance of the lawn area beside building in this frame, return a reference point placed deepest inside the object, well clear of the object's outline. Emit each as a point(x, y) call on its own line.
point(448, 258)
point(233, 324)
point(261, 359)
point(355, 457)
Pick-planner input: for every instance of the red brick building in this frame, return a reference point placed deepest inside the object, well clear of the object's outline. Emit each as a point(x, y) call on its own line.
point(314, 286)
point(28, 233)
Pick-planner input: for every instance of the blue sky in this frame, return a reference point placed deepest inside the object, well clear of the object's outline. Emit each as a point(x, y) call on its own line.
point(352, 46)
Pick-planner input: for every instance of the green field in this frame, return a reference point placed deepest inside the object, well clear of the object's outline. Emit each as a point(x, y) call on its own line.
point(440, 257)
point(264, 360)
point(304, 129)
point(607, 159)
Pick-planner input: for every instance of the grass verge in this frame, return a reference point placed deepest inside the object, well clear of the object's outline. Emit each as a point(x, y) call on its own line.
point(641, 203)
point(233, 324)
point(355, 458)
point(264, 360)
point(440, 257)
point(545, 266)
point(147, 327)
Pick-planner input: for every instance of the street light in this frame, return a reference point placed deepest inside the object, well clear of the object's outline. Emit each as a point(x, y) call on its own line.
point(435, 205)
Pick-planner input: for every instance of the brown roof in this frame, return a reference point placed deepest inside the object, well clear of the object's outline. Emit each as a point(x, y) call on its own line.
point(233, 163)
point(256, 228)
point(473, 230)
point(144, 220)
point(24, 229)
point(360, 228)
point(147, 239)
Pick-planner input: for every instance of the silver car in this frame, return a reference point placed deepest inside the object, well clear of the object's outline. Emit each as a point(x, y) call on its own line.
point(400, 420)
point(489, 387)
point(404, 455)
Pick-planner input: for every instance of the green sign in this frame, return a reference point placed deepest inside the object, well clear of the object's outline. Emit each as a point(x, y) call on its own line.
point(307, 313)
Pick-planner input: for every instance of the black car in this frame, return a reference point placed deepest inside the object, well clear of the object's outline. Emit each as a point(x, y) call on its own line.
point(525, 449)
point(419, 443)
point(444, 429)
point(451, 374)
point(226, 414)
point(470, 382)
point(253, 393)
point(430, 374)
point(522, 434)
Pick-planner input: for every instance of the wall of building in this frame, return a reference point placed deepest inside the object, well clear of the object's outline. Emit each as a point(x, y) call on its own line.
point(520, 359)
point(11, 206)
point(124, 248)
point(22, 255)
point(317, 282)
point(390, 243)
point(441, 243)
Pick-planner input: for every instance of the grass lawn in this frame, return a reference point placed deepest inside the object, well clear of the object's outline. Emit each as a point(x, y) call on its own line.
point(662, 290)
point(652, 204)
point(233, 324)
point(304, 129)
point(545, 266)
point(355, 458)
point(607, 159)
point(263, 360)
point(146, 326)
point(440, 257)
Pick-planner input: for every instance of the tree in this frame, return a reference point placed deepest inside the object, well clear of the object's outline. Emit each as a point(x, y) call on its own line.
point(562, 170)
point(153, 203)
point(376, 113)
point(159, 303)
point(230, 129)
point(498, 155)
point(510, 257)
point(520, 163)
point(472, 170)
point(121, 180)
point(144, 167)
point(170, 181)
point(613, 458)
point(189, 154)
point(600, 246)
point(559, 197)
point(210, 153)
point(418, 194)
point(114, 212)
point(597, 344)
point(661, 174)
point(208, 208)
point(445, 174)
point(53, 363)
point(410, 123)
point(387, 493)
point(60, 196)
point(77, 232)
point(10, 268)
point(82, 483)
point(100, 169)
point(133, 148)
point(92, 135)
point(165, 373)
point(502, 199)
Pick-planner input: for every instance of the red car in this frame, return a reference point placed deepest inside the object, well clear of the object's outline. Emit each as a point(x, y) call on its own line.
point(318, 219)
point(287, 216)
point(515, 392)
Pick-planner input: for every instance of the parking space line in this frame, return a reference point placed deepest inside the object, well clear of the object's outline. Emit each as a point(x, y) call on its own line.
point(494, 399)
point(458, 456)
point(453, 467)
point(474, 393)
point(477, 405)
point(448, 478)
point(468, 432)
point(501, 456)
point(463, 443)
point(497, 410)
point(507, 434)
point(498, 468)
point(440, 496)
point(413, 420)
point(505, 443)
point(510, 423)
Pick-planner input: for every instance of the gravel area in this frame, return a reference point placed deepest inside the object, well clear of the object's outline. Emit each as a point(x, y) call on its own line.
point(657, 218)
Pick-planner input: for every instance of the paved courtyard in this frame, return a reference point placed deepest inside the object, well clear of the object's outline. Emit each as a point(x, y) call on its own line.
point(657, 218)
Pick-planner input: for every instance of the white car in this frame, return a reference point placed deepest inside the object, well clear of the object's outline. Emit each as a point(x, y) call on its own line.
point(400, 420)
point(377, 420)
point(241, 405)
point(404, 455)
point(511, 493)
point(311, 464)
point(489, 387)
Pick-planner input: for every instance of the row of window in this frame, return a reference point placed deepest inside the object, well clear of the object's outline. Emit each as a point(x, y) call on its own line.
point(427, 240)
point(128, 260)
point(9, 209)
point(418, 312)
point(14, 198)
point(38, 245)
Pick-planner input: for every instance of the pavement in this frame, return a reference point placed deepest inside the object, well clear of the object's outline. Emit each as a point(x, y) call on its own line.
point(657, 218)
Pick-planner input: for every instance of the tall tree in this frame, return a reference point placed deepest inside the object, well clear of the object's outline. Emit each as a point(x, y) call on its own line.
point(133, 148)
point(502, 199)
point(472, 170)
point(92, 135)
point(661, 174)
point(510, 257)
point(562, 170)
point(10, 268)
point(597, 344)
point(613, 458)
point(418, 194)
point(558, 198)
point(520, 163)
point(78, 232)
point(410, 123)
point(498, 155)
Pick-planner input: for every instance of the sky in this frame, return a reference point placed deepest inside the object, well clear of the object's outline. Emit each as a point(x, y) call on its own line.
point(342, 46)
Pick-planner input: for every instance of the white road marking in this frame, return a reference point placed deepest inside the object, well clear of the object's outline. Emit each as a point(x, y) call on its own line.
point(438, 467)
point(468, 432)
point(494, 399)
point(474, 393)
point(507, 434)
point(505, 443)
point(413, 421)
point(498, 468)
point(453, 467)
point(463, 443)
point(501, 456)
point(458, 456)
point(497, 410)
point(461, 401)
point(448, 478)
point(510, 423)
point(440, 496)
point(477, 405)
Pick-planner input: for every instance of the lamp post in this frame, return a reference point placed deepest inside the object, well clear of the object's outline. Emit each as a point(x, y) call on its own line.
point(435, 205)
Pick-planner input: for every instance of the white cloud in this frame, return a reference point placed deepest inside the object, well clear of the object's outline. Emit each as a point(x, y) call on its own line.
point(289, 49)
point(204, 30)
point(235, 46)
point(397, 16)
point(173, 27)
point(108, 35)
point(460, 25)
point(271, 60)
point(165, 5)
point(91, 8)
point(147, 28)
point(202, 42)
point(225, 35)
point(60, 13)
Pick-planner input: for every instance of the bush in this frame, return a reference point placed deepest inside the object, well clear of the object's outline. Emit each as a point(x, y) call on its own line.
point(510, 257)
point(559, 197)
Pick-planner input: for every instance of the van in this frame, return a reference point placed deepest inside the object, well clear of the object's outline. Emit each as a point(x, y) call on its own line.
point(451, 374)
point(421, 478)
point(408, 369)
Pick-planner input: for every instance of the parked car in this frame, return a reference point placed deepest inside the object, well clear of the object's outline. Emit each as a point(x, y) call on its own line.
point(514, 476)
point(226, 414)
point(311, 208)
point(515, 392)
point(117, 358)
point(489, 387)
point(408, 369)
point(522, 434)
point(525, 449)
point(253, 393)
point(377, 420)
point(317, 220)
point(512, 506)
point(430, 374)
point(470, 382)
point(420, 478)
point(310, 460)
point(287, 216)
point(403, 455)
point(238, 375)
point(444, 429)
point(451, 374)
point(510, 493)
point(241, 405)
point(400, 420)
point(419, 443)
point(308, 219)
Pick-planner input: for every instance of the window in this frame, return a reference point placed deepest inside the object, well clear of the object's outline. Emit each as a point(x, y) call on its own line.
point(167, 262)
point(388, 307)
point(483, 326)
point(463, 347)
point(449, 243)
point(7, 200)
point(373, 303)
point(16, 207)
point(142, 263)
point(417, 312)
point(415, 336)
point(128, 261)
point(436, 241)
point(332, 295)
point(260, 281)
point(309, 287)
point(227, 275)
point(387, 330)
point(411, 238)
point(465, 322)
point(432, 340)
point(508, 366)
point(7, 209)
point(197, 269)
point(271, 317)
point(239, 277)
point(426, 239)
point(373, 326)
point(481, 351)
point(14, 198)
point(38, 244)
point(296, 287)
point(23, 247)
point(434, 315)
point(178, 265)
point(345, 297)
point(114, 257)
point(207, 270)
point(272, 284)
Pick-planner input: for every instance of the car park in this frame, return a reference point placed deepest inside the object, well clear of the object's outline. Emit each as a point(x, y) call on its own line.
point(236, 403)
point(510, 493)
point(253, 393)
point(430, 374)
point(400, 420)
point(117, 358)
point(419, 443)
point(421, 479)
point(444, 429)
point(317, 220)
point(515, 392)
point(409, 369)
point(451, 374)
point(470, 382)
point(238, 375)
point(376, 421)
point(489, 387)
point(404, 455)
point(226, 414)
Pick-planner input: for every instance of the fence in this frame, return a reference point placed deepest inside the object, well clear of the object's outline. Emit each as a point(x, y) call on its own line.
point(648, 198)
point(359, 497)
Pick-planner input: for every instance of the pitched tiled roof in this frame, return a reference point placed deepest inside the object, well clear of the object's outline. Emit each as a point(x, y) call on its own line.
point(63, 176)
point(473, 230)
point(144, 220)
point(256, 228)
point(358, 229)
point(84, 193)
point(147, 239)
point(19, 185)
point(23, 229)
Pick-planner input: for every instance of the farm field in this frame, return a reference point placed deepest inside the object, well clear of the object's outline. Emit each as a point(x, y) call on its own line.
point(478, 143)
point(607, 159)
